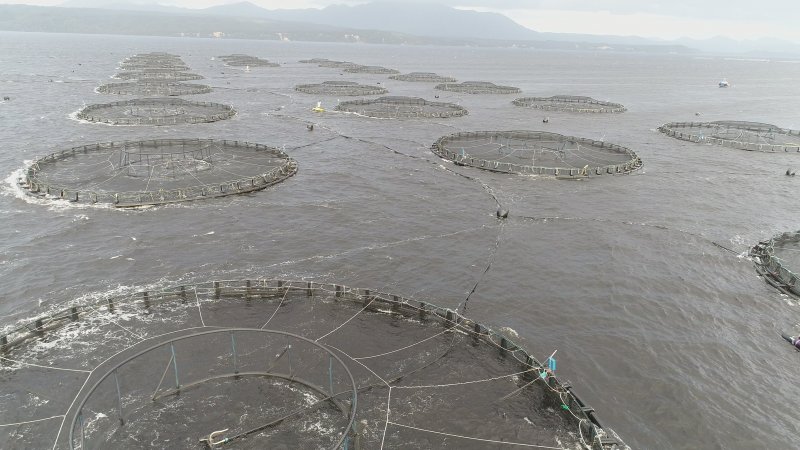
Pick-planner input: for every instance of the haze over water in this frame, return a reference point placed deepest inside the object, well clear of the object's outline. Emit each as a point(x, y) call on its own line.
point(672, 339)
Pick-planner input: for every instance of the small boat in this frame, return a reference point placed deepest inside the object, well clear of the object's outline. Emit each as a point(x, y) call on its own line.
point(318, 108)
point(724, 83)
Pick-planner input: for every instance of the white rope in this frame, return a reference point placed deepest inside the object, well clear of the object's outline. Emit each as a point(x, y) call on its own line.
point(27, 422)
point(199, 310)
point(362, 364)
point(276, 309)
point(345, 322)
point(386, 426)
point(426, 386)
point(403, 348)
point(43, 367)
point(476, 439)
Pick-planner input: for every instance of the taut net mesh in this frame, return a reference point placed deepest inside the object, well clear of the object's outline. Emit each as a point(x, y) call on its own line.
point(536, 152)
point(238, 60)
point(153, 89)
point(401, 108)
point(477, 87)
point(136, 173)
point(778, 261)
point(344, 88)
point(281, 364)
point(370, 69)
point(752, 136)
point(156, 111)
point(423, 77)
point(157, 76)
point(570, 103)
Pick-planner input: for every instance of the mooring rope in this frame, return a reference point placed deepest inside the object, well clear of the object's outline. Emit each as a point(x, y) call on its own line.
point(461, 436)
point(29, 421)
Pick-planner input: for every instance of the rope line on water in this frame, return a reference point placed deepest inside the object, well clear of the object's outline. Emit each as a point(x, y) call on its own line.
point(403, 348)
point(43, 366)
point(28, 421)
point(463, 304)
point(462, 383)
point(520, 444)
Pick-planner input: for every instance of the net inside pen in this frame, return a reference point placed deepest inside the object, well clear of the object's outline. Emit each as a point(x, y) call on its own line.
point(153, 88)
point(423, 77)
point(344, 88)
point(291, 364)
point(136, 173)
point(156, 111)
point(778, 261)
point(401, 108)
point(752, 136)
point(570, 103)
point(477, 87)
point(536, 152)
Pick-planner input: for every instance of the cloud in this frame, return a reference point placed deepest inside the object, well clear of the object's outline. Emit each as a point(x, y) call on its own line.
point(778, 11)
point(647, 25)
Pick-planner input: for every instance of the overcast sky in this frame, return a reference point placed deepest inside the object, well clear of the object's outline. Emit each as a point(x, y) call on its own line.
point(738, 19)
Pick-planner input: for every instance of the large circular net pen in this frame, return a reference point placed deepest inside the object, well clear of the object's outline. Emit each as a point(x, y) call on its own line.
point(158, 76)
point(330, 63)
point(378, 70)
point(156, 111)
point(423, 77)
point(477, 87)
point(345, 88)
point(314, 61)
point(154, 172)
point(536, 153)
point(752, 136)
point(154, 67)
point(401, 108)
point(778, 261)
point(280, 364)
point(152, 60)
point(153, 89)
point(238, 60)
point(570, 103)
point(159, 69)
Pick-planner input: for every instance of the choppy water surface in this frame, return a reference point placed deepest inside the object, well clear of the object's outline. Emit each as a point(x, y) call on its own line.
point(672, 339)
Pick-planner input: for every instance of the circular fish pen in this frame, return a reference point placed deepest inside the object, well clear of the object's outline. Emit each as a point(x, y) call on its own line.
point(156, 111)
point(423, 77)
point(377, 70)
point(154, 67)
point(156, 172)
point(149, 77)
point(536, 153)
point(154, 89)
point(159, 69)
point(477, 87)
point(238, 60)
point(401, 108)
point(777, 260)
point(280, 364)
point(152, 60)
point(314, 61)
point(322, 62)
point(344, 88)
point(752, 136)
point(154, 56)
point(570, 103)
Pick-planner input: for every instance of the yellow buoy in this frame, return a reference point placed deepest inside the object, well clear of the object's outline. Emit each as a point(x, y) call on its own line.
point(318, 108)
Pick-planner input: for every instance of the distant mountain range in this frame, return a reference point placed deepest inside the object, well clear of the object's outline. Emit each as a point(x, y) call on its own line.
point(391, 22)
